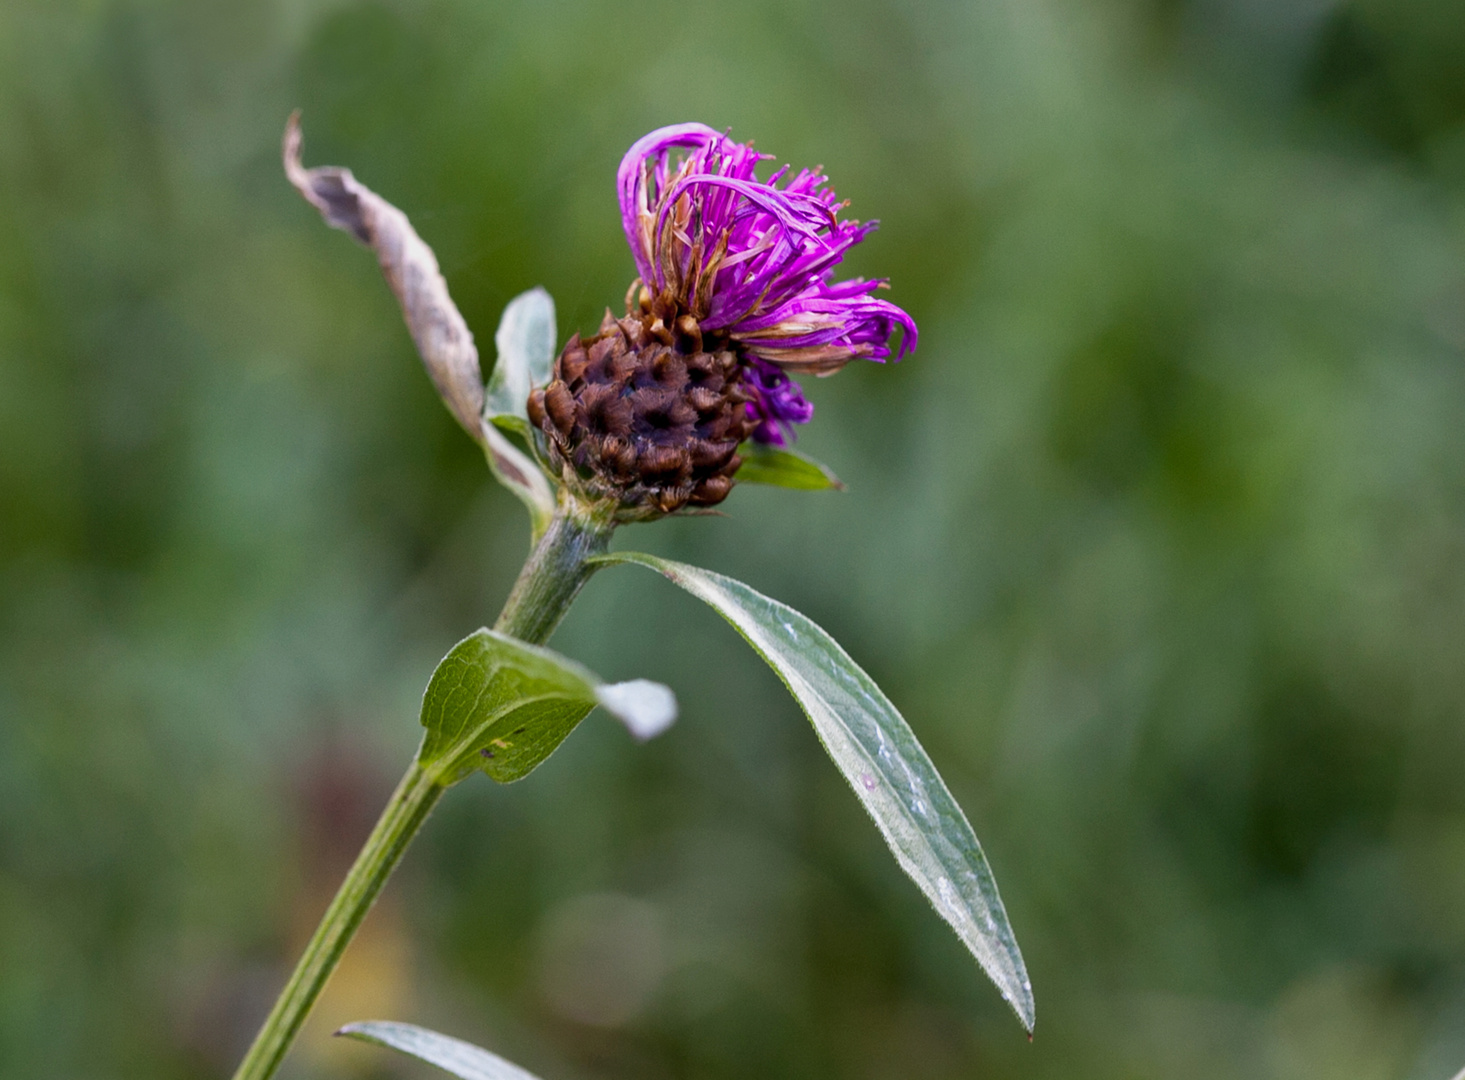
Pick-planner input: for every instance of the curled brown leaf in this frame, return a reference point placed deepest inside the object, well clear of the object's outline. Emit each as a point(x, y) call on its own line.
point(443, 339)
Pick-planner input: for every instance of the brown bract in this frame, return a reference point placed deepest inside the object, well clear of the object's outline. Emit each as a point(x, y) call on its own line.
point(646, 421)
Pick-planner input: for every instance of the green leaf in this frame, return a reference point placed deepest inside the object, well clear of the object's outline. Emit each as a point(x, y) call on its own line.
point(880, 757)
point(462, 1059)
point(526, 342)
point(500, 705)
point(784, 468)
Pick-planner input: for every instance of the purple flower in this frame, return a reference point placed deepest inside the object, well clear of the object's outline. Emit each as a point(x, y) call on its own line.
point(724, 254)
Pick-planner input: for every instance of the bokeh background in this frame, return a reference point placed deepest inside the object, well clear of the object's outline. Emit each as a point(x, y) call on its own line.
point(1158, 541)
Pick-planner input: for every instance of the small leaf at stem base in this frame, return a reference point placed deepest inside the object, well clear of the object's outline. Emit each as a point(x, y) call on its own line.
point(462, 1059)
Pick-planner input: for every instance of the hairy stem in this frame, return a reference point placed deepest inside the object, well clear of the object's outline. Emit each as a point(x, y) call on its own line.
point(556, 570)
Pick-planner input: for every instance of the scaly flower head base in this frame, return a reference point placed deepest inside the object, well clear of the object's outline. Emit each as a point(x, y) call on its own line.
point(633, 421)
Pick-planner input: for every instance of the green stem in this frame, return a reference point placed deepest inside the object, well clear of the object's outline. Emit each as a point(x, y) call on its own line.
point(408, 808)
point(556, 570)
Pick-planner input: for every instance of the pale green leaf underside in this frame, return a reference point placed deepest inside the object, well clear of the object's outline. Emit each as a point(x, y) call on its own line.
point(784, 468)
point(500, 705)
point(525, 342)
point(462, 1059)
point(884, 763)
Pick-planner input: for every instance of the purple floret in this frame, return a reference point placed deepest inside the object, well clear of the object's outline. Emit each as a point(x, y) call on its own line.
point(778, 402)
point(753, 260)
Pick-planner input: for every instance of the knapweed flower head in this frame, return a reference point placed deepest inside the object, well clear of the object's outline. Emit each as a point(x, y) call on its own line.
point(735, 291)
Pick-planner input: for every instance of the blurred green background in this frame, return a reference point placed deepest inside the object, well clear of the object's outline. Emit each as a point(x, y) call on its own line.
point(1158, 541)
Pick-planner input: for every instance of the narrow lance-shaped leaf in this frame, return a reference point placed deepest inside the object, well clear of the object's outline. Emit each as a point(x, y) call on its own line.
point(784, 468)
point(884, 763)
point(462, 1059)
point(500, 705)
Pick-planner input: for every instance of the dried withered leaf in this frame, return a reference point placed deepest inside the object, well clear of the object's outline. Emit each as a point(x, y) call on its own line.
point(442, 337)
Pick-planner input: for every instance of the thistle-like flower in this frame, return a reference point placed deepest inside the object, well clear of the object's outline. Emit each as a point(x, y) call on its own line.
point(735, 291)
point(643, 419)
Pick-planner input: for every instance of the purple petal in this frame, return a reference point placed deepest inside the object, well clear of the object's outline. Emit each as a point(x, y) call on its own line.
point(631, 176)
point(778, 403)
point(754, 259)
